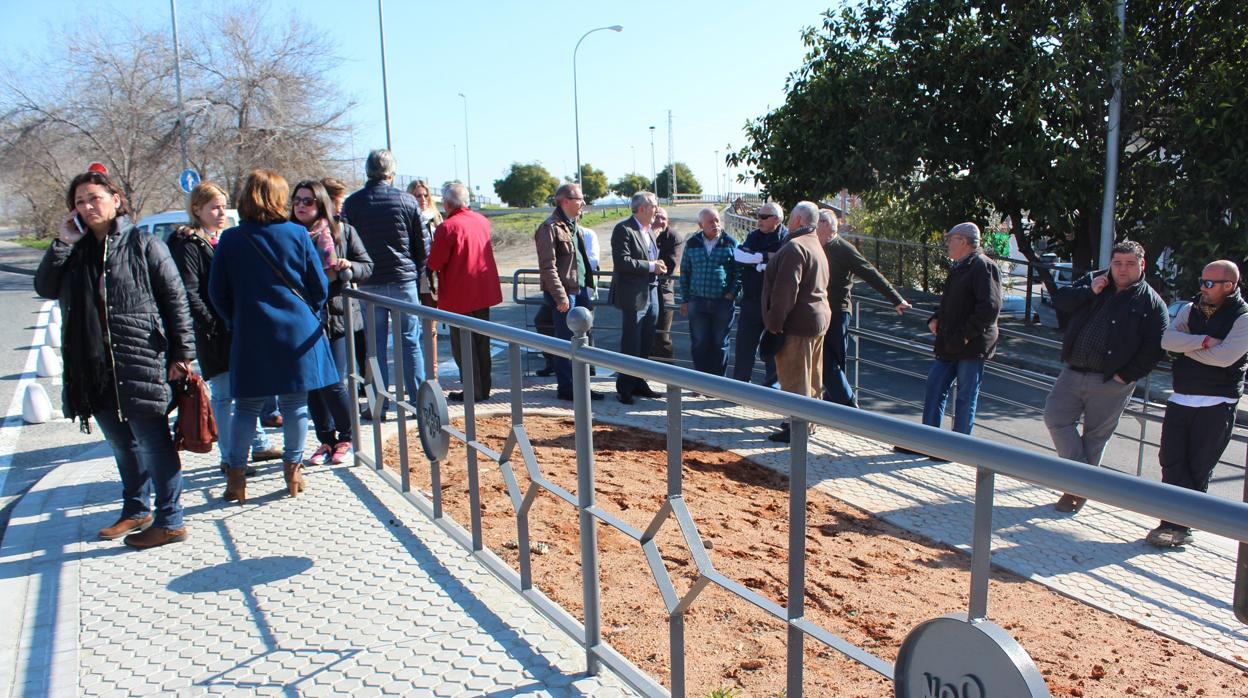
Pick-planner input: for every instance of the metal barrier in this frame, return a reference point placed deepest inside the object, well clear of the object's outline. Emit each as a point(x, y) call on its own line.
point(1002, 668)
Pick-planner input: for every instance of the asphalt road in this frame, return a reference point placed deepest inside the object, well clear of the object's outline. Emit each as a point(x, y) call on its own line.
point(27, 452)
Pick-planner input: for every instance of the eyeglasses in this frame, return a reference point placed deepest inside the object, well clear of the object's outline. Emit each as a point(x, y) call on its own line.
point(304, 201)
point(765, 216)
point(575, 198)
point(1210, 283)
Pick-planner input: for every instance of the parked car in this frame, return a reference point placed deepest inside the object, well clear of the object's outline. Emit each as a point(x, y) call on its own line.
point(1063, 276)
point(163, 224)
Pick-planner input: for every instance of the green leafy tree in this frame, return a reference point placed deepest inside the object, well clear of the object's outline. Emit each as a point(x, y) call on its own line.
point(593, 183)
point(526, 185)
point(685, 181)
point(973, 110)
point(630, 184)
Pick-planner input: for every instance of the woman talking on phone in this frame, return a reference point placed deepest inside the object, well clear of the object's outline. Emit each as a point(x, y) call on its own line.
point(126, 334)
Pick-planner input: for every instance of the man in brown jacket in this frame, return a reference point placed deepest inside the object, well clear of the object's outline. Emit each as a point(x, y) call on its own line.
point(795, 304)
point(566, 273)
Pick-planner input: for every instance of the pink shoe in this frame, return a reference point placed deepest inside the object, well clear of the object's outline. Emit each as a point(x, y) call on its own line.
point(342, 452)
point(321, 455)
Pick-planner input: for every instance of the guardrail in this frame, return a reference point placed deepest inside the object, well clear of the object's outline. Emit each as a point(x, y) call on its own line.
point(999, 666)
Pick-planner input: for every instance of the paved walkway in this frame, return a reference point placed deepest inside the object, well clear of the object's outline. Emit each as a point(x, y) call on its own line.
point(345, 590)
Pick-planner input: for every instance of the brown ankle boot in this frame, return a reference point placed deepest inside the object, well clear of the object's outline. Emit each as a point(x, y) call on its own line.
point(293, 472)
point(235, 485)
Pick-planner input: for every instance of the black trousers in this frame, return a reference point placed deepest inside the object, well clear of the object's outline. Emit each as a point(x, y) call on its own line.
point(482, 362)
point(1192, 441)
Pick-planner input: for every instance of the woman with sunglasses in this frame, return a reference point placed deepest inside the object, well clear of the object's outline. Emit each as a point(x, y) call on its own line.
point(430, 219)
point(341, 250)
point(127, 334)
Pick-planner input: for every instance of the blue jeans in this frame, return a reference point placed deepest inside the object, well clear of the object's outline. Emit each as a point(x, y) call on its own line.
point(223, 411)
point(563, 367)
point(749, 332)
point(636, 336)
point(709, 322)
point(147, 463)
point(294, 410)
point(413, 355)
point(969, 373)
point(836, 386)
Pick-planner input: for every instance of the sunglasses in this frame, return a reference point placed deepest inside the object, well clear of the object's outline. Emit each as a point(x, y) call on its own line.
point(304, 201)
point(765, 216)
point(1210, 283)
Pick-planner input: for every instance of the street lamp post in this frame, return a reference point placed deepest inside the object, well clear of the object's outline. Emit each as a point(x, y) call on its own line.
point(177, 74)
point(634, 149)
point(467, 150)
point(385, 92)
point(576, 108)
point(718, 192)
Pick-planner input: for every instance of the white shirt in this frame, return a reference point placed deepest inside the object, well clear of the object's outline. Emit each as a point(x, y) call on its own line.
point(652, 252)
point(591, 245)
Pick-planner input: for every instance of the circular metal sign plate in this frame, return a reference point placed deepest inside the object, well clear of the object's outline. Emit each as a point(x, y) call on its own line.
point(948, 657)
point(433, 415)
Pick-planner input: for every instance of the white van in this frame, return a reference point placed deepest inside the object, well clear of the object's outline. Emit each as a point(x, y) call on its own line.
point(163, 224)
point(1063, 276)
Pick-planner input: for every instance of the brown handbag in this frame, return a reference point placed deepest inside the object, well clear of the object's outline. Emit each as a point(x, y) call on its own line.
point(195, 429)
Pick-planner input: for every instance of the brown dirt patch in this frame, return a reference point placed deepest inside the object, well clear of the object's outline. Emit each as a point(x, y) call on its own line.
point(867, 581)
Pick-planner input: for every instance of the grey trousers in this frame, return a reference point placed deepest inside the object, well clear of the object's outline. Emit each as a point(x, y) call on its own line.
point(1098, 401)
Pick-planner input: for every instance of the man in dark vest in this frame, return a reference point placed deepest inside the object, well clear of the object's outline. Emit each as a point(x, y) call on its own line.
point(1210, 338)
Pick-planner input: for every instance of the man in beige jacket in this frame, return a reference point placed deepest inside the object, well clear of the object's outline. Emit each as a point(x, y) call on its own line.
point(795, 304)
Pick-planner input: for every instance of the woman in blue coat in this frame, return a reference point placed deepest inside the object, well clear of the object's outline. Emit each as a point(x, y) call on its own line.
point(268, 285)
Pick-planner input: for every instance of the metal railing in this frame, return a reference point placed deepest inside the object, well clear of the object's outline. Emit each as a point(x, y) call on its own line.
point(1141, 406)
point(1186, 507)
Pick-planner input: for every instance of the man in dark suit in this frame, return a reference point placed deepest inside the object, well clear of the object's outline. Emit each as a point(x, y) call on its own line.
point(671, 248)
point(634, 288)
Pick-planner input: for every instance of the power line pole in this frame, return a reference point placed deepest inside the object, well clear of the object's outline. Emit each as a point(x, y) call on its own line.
point(385, 92)
point(177, 75)
point(654, 175)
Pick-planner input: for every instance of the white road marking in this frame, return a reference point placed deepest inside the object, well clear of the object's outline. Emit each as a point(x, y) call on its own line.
point(11, 427)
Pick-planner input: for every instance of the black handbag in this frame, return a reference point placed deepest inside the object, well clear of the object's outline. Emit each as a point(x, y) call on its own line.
point(769, 345)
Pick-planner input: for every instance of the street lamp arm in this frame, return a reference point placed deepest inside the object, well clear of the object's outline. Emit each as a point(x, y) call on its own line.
point(576, 107)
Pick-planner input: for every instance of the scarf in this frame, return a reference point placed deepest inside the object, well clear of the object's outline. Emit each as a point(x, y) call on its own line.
point(87, 369)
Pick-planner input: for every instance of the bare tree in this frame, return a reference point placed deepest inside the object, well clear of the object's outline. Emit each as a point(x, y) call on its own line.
point(250, 96)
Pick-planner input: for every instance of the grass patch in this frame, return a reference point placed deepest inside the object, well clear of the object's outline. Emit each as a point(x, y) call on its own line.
point(513, 229)
point(33, 243)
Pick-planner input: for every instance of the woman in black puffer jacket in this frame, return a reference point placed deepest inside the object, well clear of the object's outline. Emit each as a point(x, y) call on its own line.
point(192, 247)
point(126, 334)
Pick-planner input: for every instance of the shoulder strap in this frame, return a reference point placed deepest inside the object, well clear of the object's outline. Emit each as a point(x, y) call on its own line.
point(276, 270)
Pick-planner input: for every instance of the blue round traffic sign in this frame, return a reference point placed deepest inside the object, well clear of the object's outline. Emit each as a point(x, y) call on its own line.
point(188, 180)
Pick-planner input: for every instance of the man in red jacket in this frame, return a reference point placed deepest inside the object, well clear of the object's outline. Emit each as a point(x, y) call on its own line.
point(463, 259)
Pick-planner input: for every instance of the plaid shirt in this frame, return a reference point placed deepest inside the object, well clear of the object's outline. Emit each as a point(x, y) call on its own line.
point(709, 275)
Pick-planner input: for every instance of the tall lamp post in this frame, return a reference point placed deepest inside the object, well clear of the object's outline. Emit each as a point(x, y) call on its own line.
point(576, 108)
point(385, 92)
point(718, 192)
point(467, 150)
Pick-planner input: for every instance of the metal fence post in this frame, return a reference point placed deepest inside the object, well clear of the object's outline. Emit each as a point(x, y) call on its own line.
point(580, 321)
point(1148, 393)
point(981, 543)
point(467, 379)
point(396, 333)
point(353, 385)
point(927, 256)
point(1241, 567)
point(675, 488)
point(800, 434)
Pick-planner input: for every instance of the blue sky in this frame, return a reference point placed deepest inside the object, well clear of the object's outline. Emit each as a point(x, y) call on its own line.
point(715, 65)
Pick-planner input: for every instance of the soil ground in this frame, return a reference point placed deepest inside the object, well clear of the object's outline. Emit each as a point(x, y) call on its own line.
point(867, 581)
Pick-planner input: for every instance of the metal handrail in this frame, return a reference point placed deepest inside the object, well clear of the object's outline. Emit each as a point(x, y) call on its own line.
point(1187, 507)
